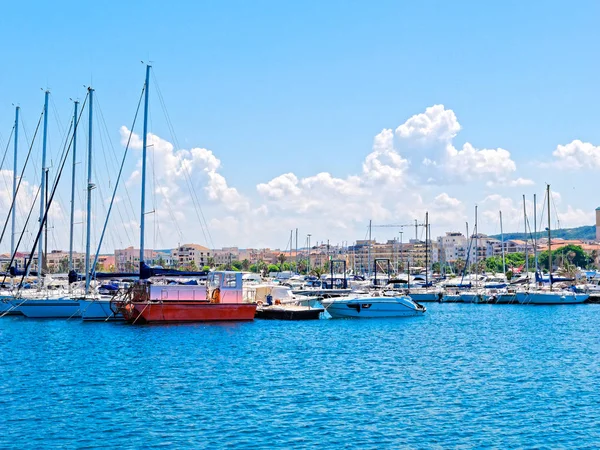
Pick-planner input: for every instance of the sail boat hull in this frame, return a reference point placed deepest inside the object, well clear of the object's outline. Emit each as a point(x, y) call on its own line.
point(98, 310)
point(58, 308)
point(187, 311)
point(551, 298)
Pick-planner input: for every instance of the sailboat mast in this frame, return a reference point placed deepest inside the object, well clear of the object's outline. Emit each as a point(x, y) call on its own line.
point(535, 254)
point(526, 239)
point(90, 186)
point(549, 239)
point(75, 106)
point(369, 262)
point(296, 258)
point(502, 244)
point(426, 249)
point(144, 152)
point(476, 245)
point(43, 185)
point(14, 186)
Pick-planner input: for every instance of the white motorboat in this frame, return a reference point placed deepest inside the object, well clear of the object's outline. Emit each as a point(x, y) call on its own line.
point(371, 307)
point(540, 297)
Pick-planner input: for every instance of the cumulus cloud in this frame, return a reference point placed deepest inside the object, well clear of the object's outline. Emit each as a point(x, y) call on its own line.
point(436, 124)
point(577, 155)
point(429, 136)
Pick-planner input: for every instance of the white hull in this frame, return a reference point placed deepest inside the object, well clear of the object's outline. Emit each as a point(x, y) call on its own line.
point(471, 297)
point(506, 299)
point(97, 309)
point(424, 297)
point(551, 298)
point(451, 298)
point(54, 308)
point(372, 307)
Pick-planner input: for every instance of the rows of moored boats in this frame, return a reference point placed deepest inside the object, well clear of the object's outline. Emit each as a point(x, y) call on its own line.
point(235, 296)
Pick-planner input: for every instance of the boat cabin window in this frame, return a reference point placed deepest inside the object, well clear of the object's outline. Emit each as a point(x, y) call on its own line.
point(230, 281)
point(215, 280)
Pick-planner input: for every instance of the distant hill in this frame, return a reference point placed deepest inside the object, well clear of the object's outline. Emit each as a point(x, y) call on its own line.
point(586, 233)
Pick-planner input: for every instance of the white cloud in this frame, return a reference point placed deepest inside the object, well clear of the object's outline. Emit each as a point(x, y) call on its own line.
point(577, 155)
point(435, 124)
point(471, 163)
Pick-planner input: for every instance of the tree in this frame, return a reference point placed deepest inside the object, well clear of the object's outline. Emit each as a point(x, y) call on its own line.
point(262, 267)
point(236, 264)
point(459, 265)
point(317, 271)
point(253, 268)
point(205, 269)
point(245, 264)
point(63, 265)
point(436, 267)
point(191, 266)
point(302, 266)
point(273, 268)
point(281, 258)
point(210, 261)
point(160, 262)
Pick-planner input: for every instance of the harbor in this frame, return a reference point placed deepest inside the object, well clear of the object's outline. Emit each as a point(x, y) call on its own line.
point(299, 225)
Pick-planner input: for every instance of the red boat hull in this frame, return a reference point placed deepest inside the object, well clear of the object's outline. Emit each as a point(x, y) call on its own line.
point(187, 311)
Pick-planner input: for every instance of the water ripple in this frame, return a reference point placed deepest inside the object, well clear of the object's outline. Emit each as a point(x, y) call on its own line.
point(463, 376)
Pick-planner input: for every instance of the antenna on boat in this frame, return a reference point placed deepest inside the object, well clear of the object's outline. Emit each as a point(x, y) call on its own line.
point(144, 152)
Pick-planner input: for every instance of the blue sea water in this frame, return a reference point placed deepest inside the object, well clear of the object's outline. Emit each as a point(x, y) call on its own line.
point(462, 376)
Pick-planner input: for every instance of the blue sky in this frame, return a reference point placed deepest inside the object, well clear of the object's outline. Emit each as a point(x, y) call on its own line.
point(280, 87)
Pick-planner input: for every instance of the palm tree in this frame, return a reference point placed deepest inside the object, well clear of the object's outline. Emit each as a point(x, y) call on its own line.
point(281, 258)
point(245, 264)
point(317, 271)
point(210, 261)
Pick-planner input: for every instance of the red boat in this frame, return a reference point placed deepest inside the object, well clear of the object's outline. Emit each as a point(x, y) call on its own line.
point(145, 303)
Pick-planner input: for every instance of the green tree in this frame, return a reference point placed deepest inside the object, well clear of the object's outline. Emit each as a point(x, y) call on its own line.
point(281, 258)
point(436, 267)
point(302, 266)
point(273, 268)
point(317, 271)
point(459, 265)
point(210, 261)
point(262, 267)
point(245, 264)
point(236, 264)
point(253, 268)
point(63, 265)
point(205, 268)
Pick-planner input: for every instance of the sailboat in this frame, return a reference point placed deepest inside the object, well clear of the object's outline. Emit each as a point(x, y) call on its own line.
point(475, 295)
point(222, 301)
point(43, 302)
point(550, 297)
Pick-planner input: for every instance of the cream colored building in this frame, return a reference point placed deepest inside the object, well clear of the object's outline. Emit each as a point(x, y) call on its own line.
point(187, 253)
